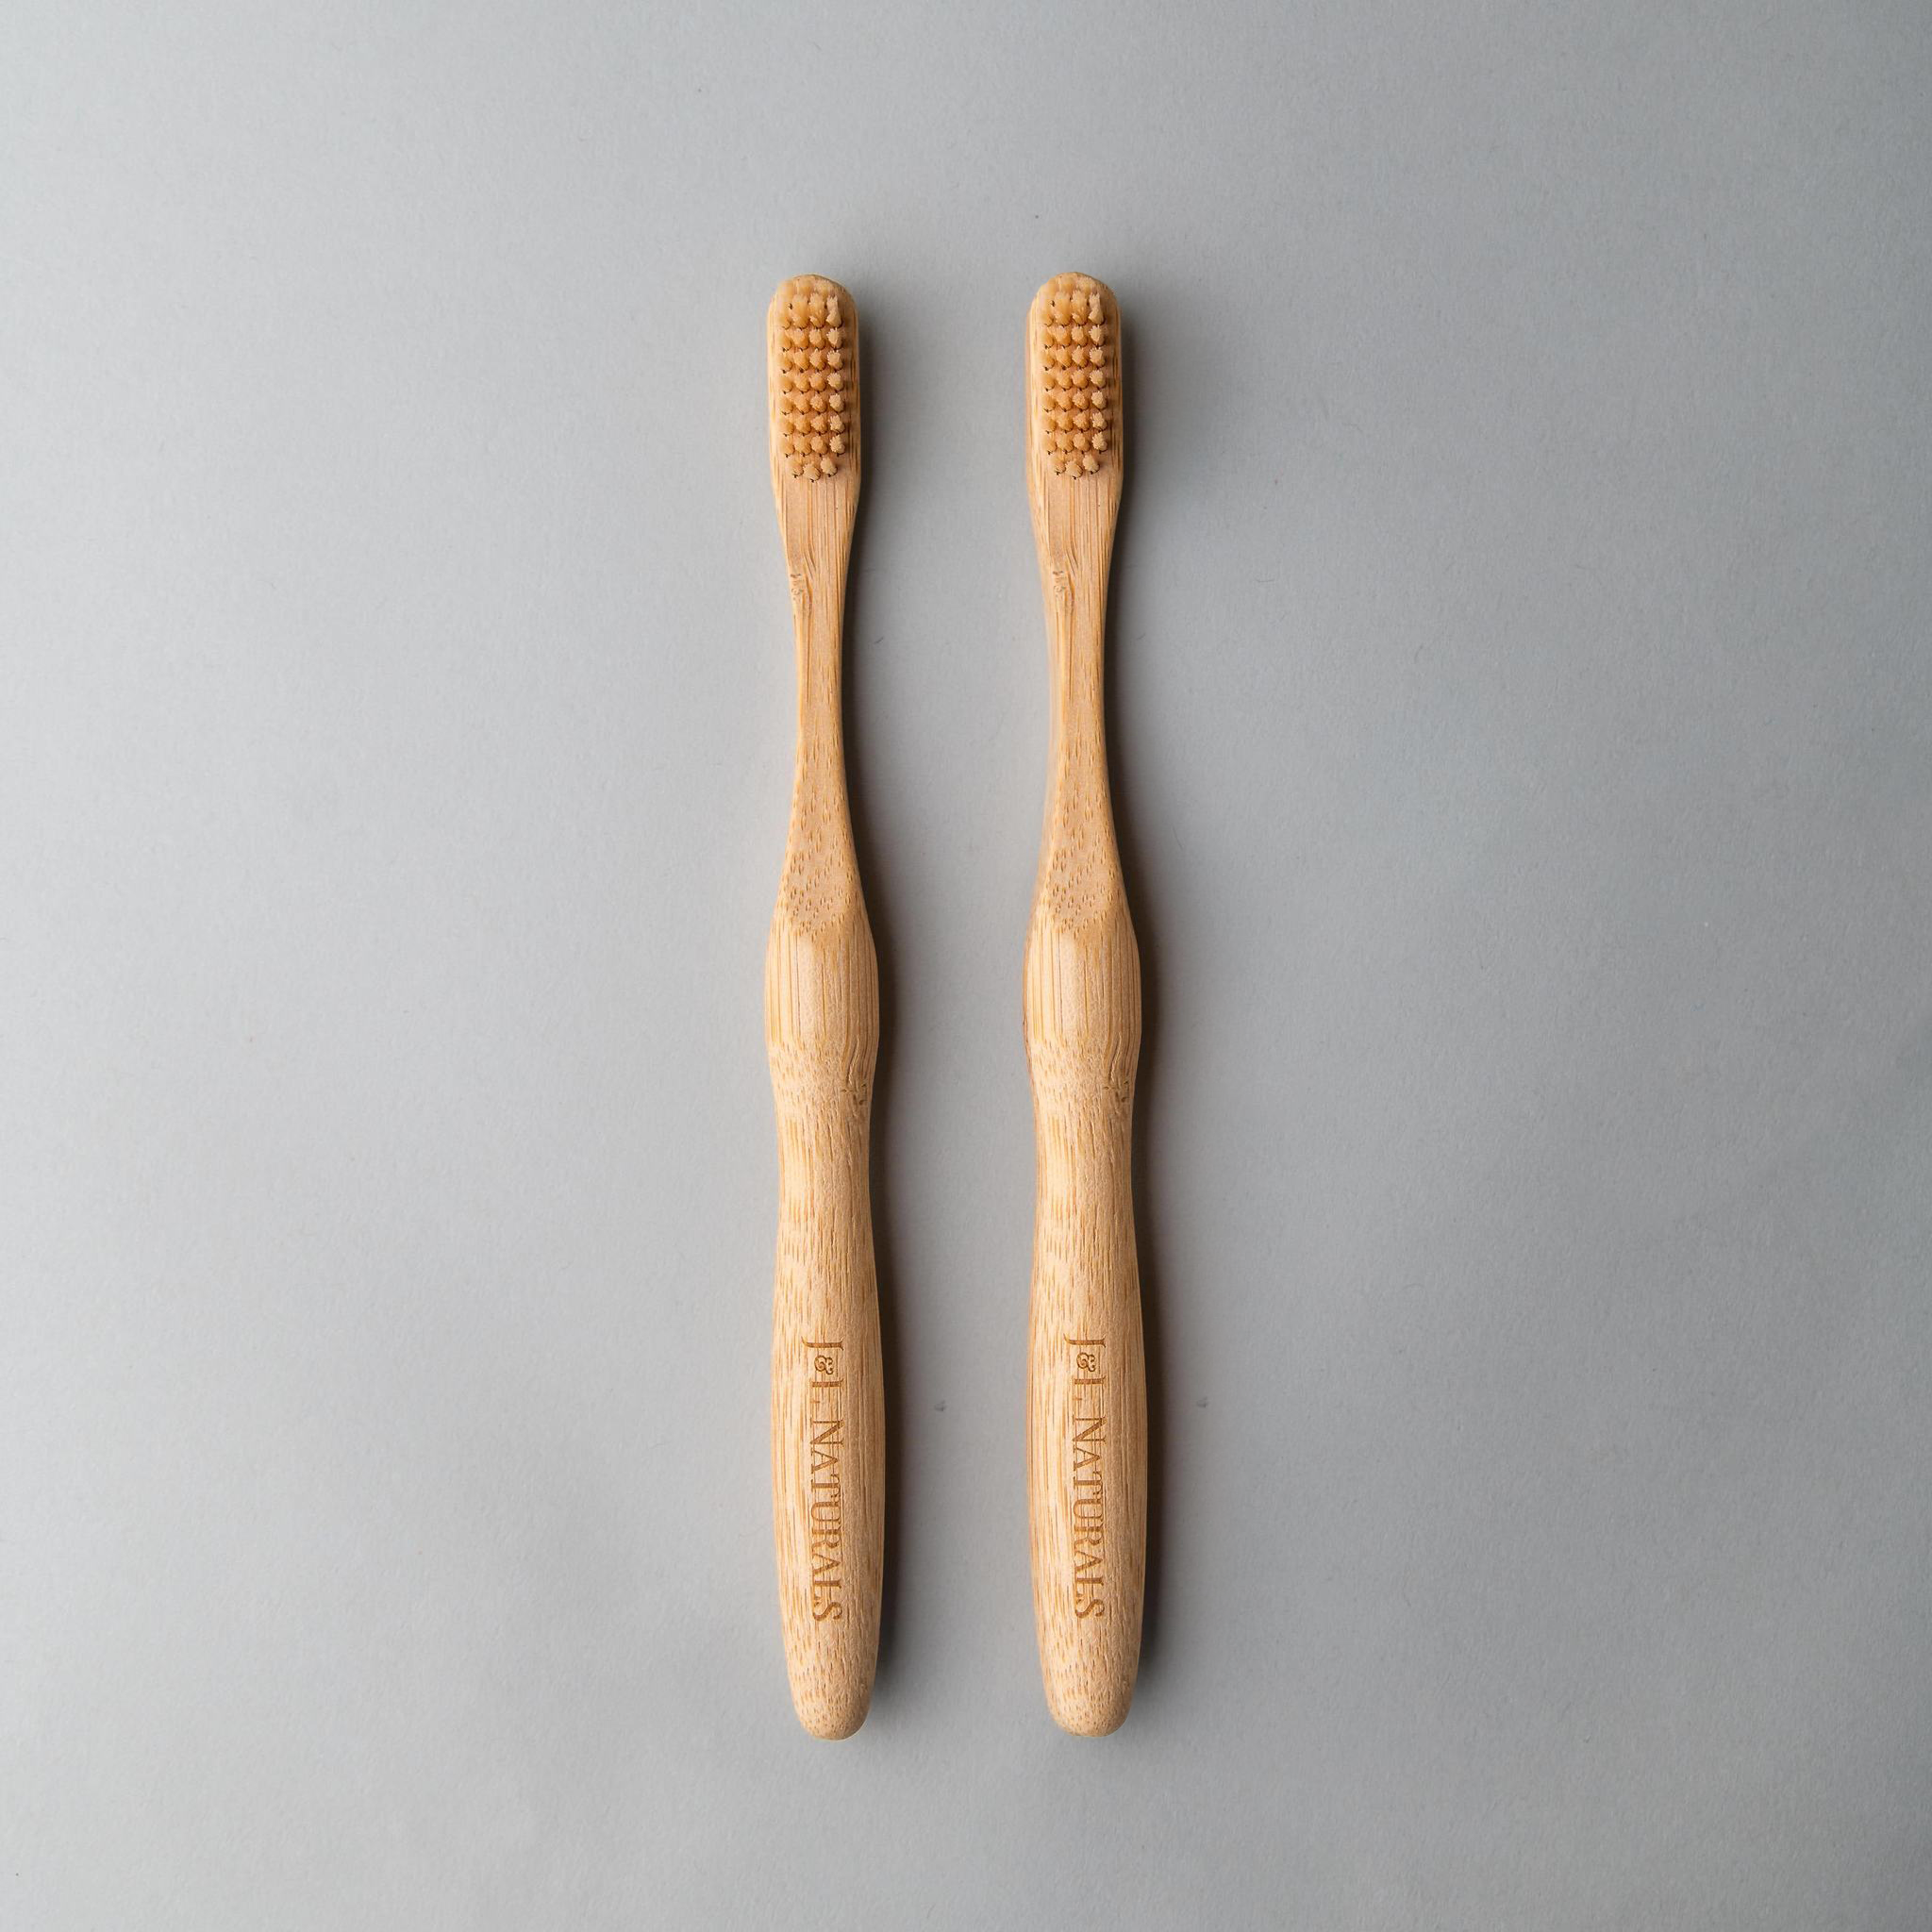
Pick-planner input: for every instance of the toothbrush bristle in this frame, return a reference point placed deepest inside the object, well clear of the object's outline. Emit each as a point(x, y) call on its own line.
point(814, 348)
point(1078, 347)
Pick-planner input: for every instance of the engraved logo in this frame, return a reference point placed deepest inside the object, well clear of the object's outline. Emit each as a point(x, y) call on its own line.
point(1087, 1409)
point(825, 1433)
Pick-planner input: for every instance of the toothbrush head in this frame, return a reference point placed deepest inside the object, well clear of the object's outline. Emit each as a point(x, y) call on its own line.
point(812, 354)
point(1073, 376)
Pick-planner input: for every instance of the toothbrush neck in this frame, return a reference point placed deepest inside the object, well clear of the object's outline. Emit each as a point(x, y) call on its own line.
point(815, 607)
point(1076, 604)
point(818, 596)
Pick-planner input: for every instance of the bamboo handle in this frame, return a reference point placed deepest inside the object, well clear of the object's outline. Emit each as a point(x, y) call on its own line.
point(1087, 1393)
point(828, 1405)
point(1087, 1377)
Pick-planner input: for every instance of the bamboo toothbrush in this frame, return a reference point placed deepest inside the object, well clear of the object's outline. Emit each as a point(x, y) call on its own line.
point(1086, 1385)
point(822, 1029)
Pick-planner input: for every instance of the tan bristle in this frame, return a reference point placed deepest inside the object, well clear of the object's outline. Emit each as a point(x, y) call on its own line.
point(1078, 351)
point(814, 349)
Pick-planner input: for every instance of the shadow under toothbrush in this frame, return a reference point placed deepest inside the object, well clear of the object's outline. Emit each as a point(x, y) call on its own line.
point(1130, 813)
point(878, 915)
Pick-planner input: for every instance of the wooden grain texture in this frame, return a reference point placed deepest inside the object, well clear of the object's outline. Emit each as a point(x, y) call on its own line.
point(1087, 1385)
point(822, 1029)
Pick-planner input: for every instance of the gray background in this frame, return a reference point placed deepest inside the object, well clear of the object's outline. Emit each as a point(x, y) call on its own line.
point(1523, 720)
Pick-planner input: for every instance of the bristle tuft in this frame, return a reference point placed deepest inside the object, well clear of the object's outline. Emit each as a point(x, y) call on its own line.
point(813, 347)
point(1078, 371)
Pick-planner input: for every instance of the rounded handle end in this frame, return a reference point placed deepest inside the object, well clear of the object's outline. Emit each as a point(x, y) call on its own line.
point(1090, 1708)
point(831, 1710)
